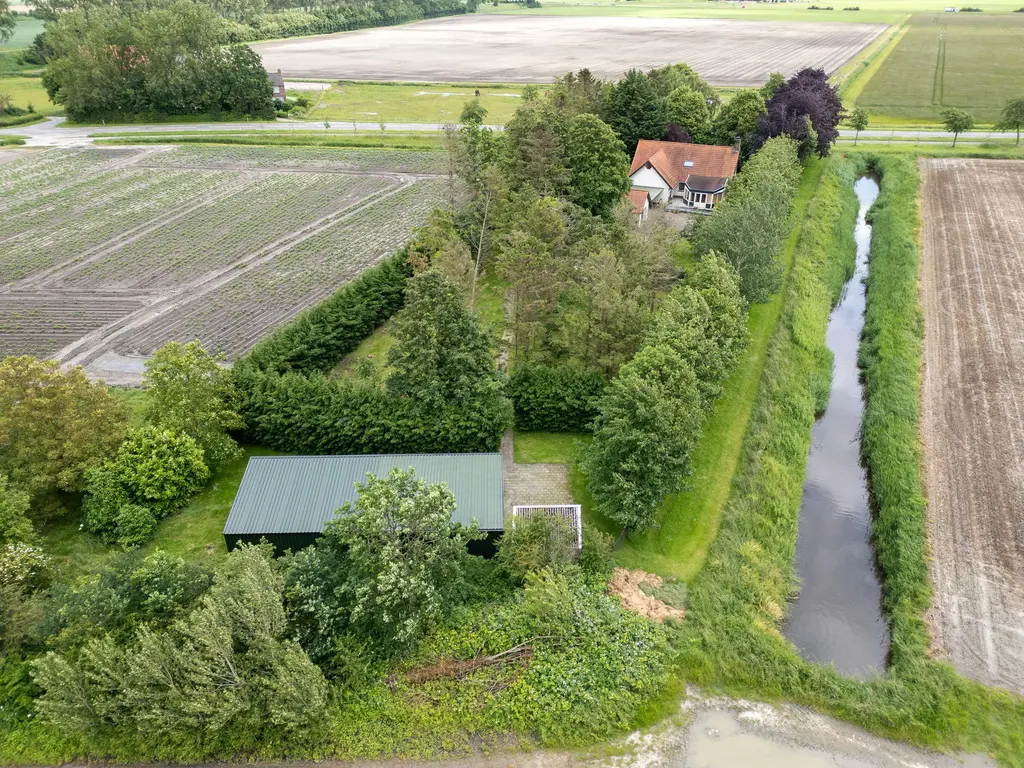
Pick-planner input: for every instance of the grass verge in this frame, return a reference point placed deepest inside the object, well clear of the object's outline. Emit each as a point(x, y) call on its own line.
point(546, 447)
point(284, 139)
point(688, 522)
point(194, 533)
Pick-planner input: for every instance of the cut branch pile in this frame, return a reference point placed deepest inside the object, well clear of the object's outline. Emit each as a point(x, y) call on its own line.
point(460, 668)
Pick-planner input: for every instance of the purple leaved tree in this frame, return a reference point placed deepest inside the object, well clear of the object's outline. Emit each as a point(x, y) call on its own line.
point(805, 108)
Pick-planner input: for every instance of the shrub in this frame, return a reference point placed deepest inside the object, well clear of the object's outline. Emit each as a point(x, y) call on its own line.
point(154, 468)
point(555, 397)
point(222, 672)
point(135, 525)
point(128, 593)
point(596, 559)
point(536, 543)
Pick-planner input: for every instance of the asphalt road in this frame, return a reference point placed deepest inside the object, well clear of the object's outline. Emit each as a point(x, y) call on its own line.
point(53, 133)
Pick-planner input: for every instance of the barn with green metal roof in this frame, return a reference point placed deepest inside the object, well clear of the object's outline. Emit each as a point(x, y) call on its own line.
point(288, 500)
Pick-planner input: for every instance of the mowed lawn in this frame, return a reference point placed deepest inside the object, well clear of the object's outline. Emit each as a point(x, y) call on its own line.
point(409, 103)
point(29, 91)
point(974, 61)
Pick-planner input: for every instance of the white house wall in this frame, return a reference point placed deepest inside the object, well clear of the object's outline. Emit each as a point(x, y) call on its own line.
point(650, 179)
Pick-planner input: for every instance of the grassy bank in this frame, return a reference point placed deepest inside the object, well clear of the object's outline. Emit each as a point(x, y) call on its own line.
point(731, 638)
point(688, 522)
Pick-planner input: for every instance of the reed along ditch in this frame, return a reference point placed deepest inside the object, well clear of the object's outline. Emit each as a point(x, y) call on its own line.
point(837, 616)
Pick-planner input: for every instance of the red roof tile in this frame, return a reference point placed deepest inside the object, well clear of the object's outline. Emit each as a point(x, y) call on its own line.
point(637, 197)
point(668, 158)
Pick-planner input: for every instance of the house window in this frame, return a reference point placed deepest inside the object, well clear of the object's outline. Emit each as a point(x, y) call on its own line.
point(682, 185)
point(698, 197)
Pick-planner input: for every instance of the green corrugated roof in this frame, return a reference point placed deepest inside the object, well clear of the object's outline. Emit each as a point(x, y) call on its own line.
point(300, 494)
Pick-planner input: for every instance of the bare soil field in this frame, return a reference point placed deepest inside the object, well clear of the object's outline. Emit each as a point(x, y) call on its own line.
point(972, 291)
point(538, 48)
point(115, 252)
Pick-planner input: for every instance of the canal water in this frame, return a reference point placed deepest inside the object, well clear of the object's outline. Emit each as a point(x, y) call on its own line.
point(837, 616)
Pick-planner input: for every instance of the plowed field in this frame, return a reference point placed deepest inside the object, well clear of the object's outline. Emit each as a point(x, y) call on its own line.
point(484, 48)
point(115, 252)
point(973, 412)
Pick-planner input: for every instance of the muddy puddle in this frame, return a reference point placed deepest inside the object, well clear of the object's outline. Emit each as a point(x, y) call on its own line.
point(837, 615)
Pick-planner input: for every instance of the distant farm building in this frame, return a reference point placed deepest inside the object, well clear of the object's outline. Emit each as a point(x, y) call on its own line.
point(288, 500)
point(277, 81)
point(683, 176)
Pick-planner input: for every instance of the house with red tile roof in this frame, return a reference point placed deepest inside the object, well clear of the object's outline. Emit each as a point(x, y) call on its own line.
point(683, 176)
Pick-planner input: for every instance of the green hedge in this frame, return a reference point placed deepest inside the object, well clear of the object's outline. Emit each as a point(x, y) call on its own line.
point(558, 397)
point(318, 338)
point(289, 403)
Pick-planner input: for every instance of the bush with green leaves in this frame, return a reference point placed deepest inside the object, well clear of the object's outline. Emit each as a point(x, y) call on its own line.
point(191, 393)
point(555, 397)
point(155, 469)
point(25, 571)
point(386, 570)
point(54, 425)
point(749, 226)
point(595, 667)
point(650, 419)
point(15, 525)
point(535, 543)
point(223, 674)
point(126, 594)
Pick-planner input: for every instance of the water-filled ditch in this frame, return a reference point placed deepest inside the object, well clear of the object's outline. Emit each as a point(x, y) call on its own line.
point(837, 616)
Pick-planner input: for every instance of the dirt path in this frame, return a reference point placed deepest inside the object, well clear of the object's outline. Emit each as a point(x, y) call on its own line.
point(714, 733)
point(972, 291)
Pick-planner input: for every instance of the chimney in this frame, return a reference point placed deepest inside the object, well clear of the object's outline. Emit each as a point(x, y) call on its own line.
point(736, 144)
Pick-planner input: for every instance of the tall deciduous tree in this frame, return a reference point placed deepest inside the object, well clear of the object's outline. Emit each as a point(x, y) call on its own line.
point(858, 121)
point(226, 668)
point(1012, 116)
point(688, 108)
point(635, 110)
point(806, 108)
point(957, 121)
point(404, 565)
point(748, 227)
point(7, 21)
point(740, 118)
point(190, 392)
point(598, 164)
point(437, 244)
point(54, 425)
point(650, 419)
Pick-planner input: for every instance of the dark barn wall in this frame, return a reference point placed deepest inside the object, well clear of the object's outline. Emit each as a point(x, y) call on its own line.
point(295, 541)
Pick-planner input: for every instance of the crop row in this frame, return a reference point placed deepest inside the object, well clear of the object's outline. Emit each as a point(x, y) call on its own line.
point(36, 174)
point(303, 158)
point(32, 324)
point(234, 317)
point(58, 227)
point(216, 235)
